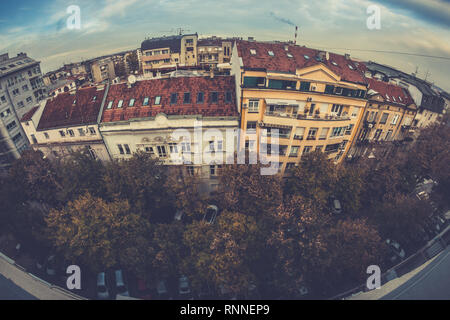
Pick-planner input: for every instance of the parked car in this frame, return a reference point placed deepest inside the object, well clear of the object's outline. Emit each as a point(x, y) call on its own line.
point(143, 291)
point(51, 265)
point(161, 289)
point(40, 262)
point(178, 215)
point(121, 288)
point(183, 286)
point(211, 214)
point(396, 250)
point(102, 289)
point(336, 206)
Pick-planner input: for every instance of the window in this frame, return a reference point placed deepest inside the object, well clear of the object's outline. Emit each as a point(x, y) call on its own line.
point(200, 97)
point(190, 170)
point(162, 151)
point(81, 132)
point(299, 132)
point(109, 105)
point(92, 130)
point(214, 170)
point(61, 132)
point(131, 104)
point(251, 126)
point(149, 150)
point(329, 89)
point(305, 86)
point(127, 149)
point(270, 53)
point(120, 149)
point(395, 119)
point(337, 131)
point(33, 138)
point(11, 126)
point(331, 148)
point(220, 145)
point(157, 100)
point(29, 99)
point(355, 112)
point(15, 92)
point(294, 151)
point(214, 97)
point(17, 138)
point(253, 106)
point(307, 149)
point(185, 147)
point(319, 148)
point(211, 146)
point(252, 51)
point(228, 97)
point(46, 135)
point(20, 104)
point(384, 118)
point(349, 129)
point(254, 82)
point(25, 88)
point(312, 134)
point(119, 105)
point(173, 148)
point(71, 133)
point(145, 103)
point(337, 109)
point(389, 135)
point(187, 98)
point(250, 145)
point(5, 113)
point(324, 133)
point(282, 84)
point(173, 98)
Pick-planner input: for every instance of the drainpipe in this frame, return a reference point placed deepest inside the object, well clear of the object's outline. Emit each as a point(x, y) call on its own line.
point(99, 118)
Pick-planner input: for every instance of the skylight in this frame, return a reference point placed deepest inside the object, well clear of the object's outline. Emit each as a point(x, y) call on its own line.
point(253, 51)
point(157, 100)
point(270, 53)
point(306, 57)
point(145, 101)
point(120, 104)
point(109, 105)
point(400, 98)
point(131, 104)
point(334, 63)
point(351, 67)
point(387, 96)
point(289, 55)
point(394, 99)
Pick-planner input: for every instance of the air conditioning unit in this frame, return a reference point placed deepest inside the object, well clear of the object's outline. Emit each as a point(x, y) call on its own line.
point(313, 88)
point(370, 125)
point(244, 106)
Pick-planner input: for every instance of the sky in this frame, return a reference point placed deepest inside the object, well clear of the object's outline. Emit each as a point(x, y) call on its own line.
point(39, 28)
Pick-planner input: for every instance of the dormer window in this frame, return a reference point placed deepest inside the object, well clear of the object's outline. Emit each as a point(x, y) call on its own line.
point(120, 104)
point(131, 104)
point(270, 53)
point(145, 101)
point(109, 105)
point(253, 51)
point(157, 100)
point(173, 98)
point(214, 97)
point(387, 97)
point(200, 97)
point(400, 98)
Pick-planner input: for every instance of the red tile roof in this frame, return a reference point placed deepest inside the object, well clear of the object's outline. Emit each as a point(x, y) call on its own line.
point(280, 61)
point(27, 116)
point(164, 88)
point(63, 112)
point(390, 92)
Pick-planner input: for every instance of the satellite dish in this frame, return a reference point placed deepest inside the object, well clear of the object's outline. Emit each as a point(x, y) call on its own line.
point(131, 79)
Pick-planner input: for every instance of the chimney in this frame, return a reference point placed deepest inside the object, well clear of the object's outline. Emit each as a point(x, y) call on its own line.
point(327, 55)
point(211, 73)
point(295, 38)
point(322, 55)
point(347, 56)
point(251, 39)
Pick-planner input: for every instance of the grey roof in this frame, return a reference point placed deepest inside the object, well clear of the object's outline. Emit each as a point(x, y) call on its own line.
point(172, 42)
point(11, 65)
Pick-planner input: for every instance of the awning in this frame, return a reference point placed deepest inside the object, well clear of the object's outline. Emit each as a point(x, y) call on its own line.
point(282, 102)
point(273, 125)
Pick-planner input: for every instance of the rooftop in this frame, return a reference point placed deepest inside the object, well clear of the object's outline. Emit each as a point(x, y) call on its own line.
point(10, 65)
point(286, 57)
point(27, 116)
point(172, 42)
point(68, 109)
point(390, 92)
point(141, 100)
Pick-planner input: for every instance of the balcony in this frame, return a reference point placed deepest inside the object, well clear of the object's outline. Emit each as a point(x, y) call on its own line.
point(320, 117)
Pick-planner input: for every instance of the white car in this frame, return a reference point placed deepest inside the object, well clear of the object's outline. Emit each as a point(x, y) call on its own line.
point(102, 289)
point(183, 288)
point(396, 249)
point(51, 265)
point(121, 288)
point(211, 214)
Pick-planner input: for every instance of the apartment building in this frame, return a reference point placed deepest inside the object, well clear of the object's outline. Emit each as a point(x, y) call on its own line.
point(315, 99)
point(213, 51)
point(430, 104)
point(67, 123)
point(178, 120)
point(103, 70)
point(167, 53)
point(387, 118)
point(21, 88)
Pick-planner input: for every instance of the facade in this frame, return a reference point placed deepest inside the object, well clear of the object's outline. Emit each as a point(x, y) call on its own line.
point(67, 123)
point(214, 51)
point(168, 53)
point(387, 119)
point(313, 98)
point(430, 103)
point(21, 88)
point(174, 120)
point(103, 70)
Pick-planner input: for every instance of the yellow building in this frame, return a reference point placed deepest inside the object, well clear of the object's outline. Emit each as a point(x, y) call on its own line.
point(213, 51)
point(164, 53)
point(314, 98)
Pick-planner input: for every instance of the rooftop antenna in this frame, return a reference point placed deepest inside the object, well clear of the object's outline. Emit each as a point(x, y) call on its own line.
point(426, 75)
point(295, 39)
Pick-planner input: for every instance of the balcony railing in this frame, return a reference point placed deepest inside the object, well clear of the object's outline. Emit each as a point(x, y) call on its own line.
point(323, 117)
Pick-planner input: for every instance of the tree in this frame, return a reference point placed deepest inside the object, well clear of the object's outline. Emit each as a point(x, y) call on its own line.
point(100, 235)
point(119, 69)
point(133, 62)
point(141, 180)
point(80, 173)
point(313, 179)
point(348, 188)
point(243, 189)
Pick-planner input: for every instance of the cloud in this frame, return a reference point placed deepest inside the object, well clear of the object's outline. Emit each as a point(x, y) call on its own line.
point(434, 11)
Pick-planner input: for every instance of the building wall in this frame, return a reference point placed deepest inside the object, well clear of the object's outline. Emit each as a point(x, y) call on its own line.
point(103, 70)
point(349, 117)
point(143, 134)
